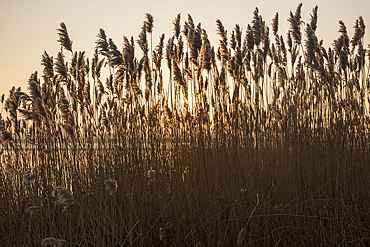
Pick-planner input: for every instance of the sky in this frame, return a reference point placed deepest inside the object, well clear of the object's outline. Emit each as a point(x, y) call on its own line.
point(28, 27)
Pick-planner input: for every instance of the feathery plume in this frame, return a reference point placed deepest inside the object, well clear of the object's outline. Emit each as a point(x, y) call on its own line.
point(205, 52)
point(101, 43)
point(12, 103)
point(149, 23)
point(249, 41)
point(34, 87)
point(64, 39)
point(114, 55)
point(190, 22)
point(257, 27)
point(233, 40)
point(179, 78)
point(48, 64)
point(128, 53)
point(176, 25)
point(169, 52)
point(60, 67)
point(238, 35)
point(223, 41)
point(275, 24)
point(142, 41)
point(5, 136)
point(295, 24)
point(313, 18)
point(311, 44)
point(158, 53)
point(342, 28)
point(359, 31)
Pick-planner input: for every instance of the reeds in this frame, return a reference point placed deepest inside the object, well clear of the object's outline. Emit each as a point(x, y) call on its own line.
point(283, 117)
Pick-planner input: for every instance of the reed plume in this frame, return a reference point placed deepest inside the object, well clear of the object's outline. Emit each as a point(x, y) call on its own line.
point(176, 26)
point(64, 39)
point(143, 42)
point(311, 45)
point(223, 41)
point(359, 33)
point(257, 27)
point(206, 54)
point(149, 23)
point(249, 41)
point(313, 18)
point(295, 24)
point(48, 64)
point(101, 43)
point(5, 136)
point(113, 54)
point(158, 53)
point(275, 24)
point(61, 68)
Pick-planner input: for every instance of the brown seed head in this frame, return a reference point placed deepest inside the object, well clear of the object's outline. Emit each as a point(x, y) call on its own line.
point(27, 178)
point(53, 242)
point(241, 236)
point(64, 197)
point(150, 174)
point(111, 186)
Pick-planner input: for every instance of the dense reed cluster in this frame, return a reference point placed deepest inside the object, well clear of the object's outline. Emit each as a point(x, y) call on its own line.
point(262, 140)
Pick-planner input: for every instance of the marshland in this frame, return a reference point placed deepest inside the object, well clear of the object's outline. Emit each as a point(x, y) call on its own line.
point(261, 139)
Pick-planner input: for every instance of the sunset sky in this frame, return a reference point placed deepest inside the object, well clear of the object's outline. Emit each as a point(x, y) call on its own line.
point(29, 27)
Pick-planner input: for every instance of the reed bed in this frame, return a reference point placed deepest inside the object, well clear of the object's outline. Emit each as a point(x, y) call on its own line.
point(262, 140)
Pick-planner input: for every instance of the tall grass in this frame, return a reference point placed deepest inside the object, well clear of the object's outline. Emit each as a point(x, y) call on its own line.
point(262, 140)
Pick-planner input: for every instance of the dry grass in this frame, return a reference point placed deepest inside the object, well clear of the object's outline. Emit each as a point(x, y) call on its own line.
point(252, 143)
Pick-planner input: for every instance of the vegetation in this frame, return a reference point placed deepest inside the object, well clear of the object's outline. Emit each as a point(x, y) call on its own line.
point(255, 142)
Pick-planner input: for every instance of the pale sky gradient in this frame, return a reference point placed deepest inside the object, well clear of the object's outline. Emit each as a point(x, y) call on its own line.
point(28, 27)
